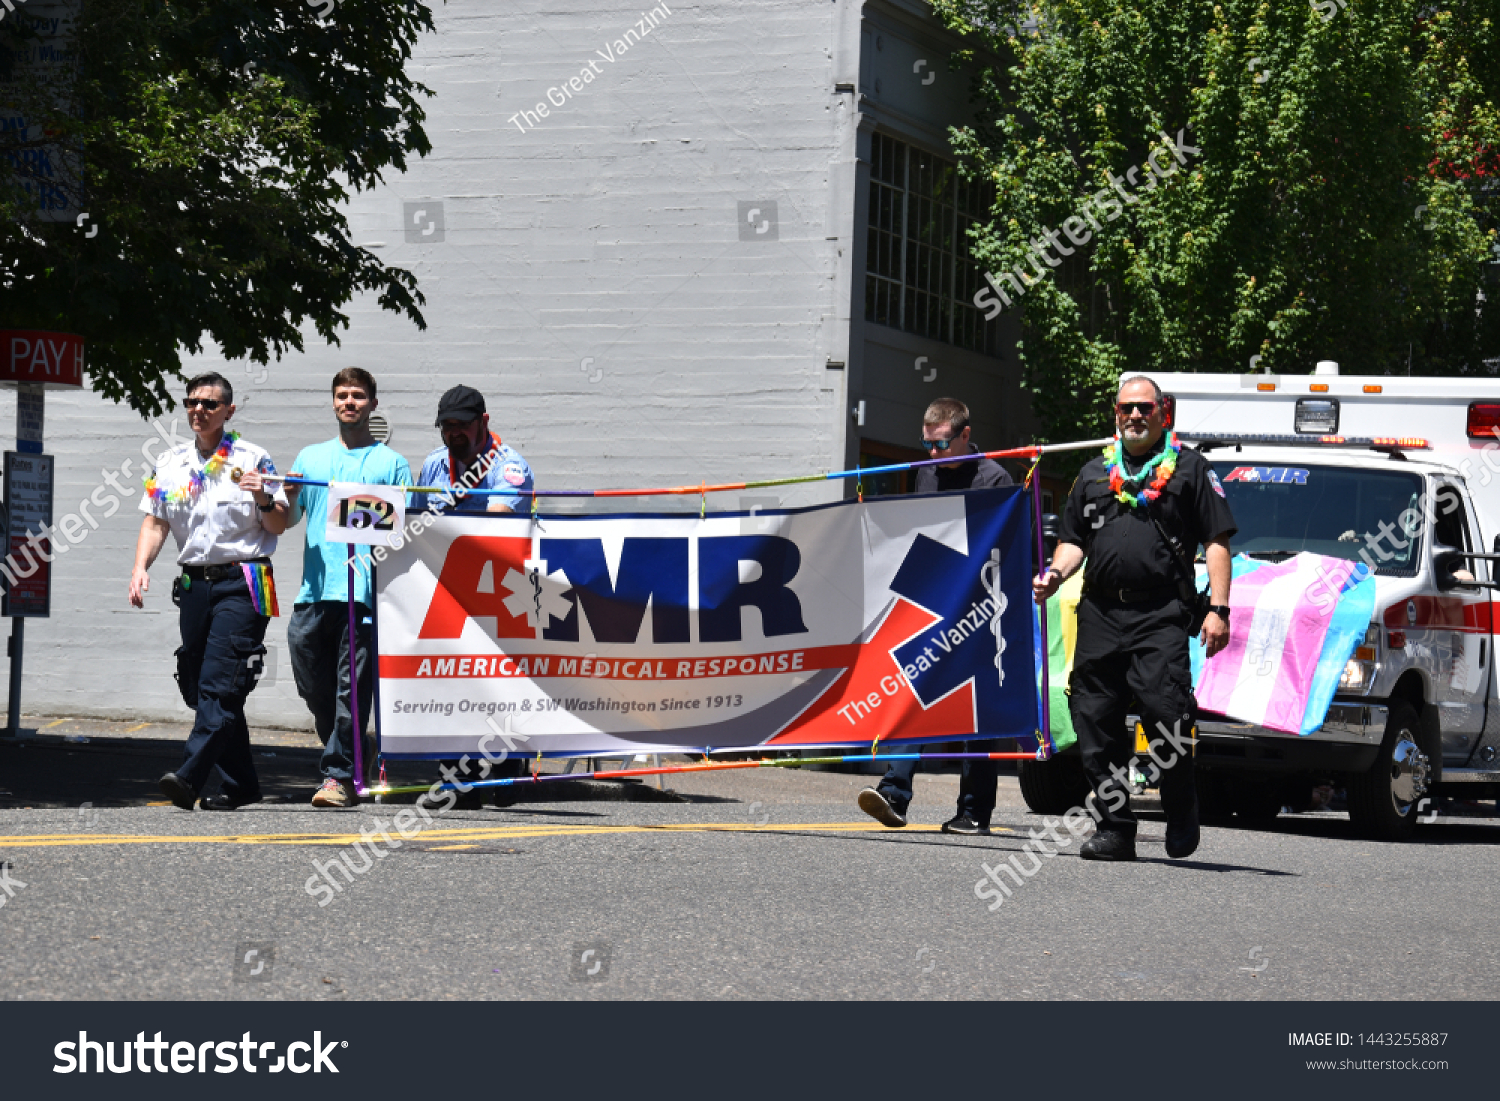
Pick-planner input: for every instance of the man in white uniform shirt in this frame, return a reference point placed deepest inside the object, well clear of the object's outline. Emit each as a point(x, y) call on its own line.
point(211, 496)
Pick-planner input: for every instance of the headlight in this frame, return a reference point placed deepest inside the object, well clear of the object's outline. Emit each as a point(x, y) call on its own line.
point(1360, 670)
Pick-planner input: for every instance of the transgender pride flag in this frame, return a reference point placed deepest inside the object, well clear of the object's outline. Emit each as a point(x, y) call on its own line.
point(1289, 640)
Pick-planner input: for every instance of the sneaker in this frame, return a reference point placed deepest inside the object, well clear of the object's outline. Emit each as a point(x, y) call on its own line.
point(962, 823)
point(335, 794)
point(878, 807)
point(1108, 845)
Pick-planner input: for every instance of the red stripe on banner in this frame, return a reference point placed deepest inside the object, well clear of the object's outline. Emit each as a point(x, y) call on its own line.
point(873, 700)
point(1441, 613)
point(538, 666)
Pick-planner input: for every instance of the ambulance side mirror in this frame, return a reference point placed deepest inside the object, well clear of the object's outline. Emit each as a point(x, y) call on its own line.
point(1450, 569)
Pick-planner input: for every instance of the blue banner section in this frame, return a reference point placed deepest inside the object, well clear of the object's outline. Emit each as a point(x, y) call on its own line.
point(983, 598)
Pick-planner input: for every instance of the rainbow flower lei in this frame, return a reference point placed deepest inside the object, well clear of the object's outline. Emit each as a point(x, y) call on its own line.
point(196, 478)
point(1160, 470)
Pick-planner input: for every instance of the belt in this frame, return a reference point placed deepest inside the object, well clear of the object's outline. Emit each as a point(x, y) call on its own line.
point(1135, 596)
point(222, 571)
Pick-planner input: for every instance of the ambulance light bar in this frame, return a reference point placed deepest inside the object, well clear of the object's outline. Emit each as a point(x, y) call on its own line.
point(1374, 443)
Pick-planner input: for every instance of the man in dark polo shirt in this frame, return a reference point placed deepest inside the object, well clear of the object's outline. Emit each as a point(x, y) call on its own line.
point(945, 431)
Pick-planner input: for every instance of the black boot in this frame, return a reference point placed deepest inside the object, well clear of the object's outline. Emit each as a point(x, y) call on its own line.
point(1108, 845)
point(1182, 831)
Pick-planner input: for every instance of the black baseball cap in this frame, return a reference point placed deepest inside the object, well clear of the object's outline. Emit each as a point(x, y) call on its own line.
point(462, 403)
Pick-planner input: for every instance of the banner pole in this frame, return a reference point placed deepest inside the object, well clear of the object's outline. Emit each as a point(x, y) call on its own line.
point(1045, 748)
point(359, 733)
point(375, 663)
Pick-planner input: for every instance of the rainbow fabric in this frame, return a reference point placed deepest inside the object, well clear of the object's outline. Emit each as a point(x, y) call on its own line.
point(262, 587)
point(1293, 627)
point(180, 495)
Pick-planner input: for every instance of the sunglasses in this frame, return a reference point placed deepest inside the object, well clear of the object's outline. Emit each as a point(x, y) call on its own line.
point(939, 445)
point(1144, 408)
point(208, 404)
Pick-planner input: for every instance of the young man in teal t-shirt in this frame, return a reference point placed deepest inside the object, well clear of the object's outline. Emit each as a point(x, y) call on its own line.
point(318, 634)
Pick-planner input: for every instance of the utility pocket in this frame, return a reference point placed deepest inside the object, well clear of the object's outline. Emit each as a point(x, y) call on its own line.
point(177, 590)
point(249, 663)
point(187, 672)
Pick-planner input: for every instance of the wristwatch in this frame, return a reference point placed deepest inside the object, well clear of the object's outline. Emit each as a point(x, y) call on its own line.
point(267, 508)
point(1220, 610)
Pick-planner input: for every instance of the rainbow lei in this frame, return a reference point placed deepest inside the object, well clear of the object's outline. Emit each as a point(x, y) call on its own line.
point(196, 478)
point(1159, 469)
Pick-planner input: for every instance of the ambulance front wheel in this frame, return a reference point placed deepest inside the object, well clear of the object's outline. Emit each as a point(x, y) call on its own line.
point(1384, 801)
point(1055, 786)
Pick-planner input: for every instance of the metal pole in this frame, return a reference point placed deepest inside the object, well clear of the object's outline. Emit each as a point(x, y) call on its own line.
point(375, 660)
point(359, 731)
point(17, 633)
point(1045, 745)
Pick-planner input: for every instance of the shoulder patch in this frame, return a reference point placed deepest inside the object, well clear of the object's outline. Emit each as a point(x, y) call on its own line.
point(514, 473)
point(1213, 480)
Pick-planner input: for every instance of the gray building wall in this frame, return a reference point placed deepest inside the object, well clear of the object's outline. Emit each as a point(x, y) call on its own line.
point(595, 274)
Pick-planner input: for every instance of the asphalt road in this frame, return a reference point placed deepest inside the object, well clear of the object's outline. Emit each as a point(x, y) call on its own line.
point(760, 884)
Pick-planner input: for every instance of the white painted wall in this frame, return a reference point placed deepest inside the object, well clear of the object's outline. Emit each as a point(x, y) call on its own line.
point(609, 232)
point(591, 279)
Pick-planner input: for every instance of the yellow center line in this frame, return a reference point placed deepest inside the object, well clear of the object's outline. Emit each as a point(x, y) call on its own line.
point(452, 834)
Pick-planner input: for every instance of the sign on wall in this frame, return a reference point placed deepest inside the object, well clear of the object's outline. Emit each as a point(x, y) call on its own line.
point(28, 504)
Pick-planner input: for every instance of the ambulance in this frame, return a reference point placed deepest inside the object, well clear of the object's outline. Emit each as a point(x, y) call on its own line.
point(1403, 476)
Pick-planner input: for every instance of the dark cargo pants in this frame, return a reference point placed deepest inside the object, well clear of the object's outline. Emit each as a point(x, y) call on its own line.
point(1141, 651)
point(218, 664)
point(318, 637)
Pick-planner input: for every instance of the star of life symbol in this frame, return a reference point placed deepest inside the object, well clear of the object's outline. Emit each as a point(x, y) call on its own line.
point(537, 594)
point(989, 577)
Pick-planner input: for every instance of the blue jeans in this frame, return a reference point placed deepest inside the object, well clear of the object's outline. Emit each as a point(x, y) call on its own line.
point(976, 786)
point(218, 664)
point(318, 638)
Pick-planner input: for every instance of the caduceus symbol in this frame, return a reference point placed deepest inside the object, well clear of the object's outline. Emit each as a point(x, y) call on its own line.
point(989, 577)
point(536, 587)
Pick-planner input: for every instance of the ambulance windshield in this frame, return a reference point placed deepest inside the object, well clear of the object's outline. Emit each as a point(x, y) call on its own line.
point(1283, 510)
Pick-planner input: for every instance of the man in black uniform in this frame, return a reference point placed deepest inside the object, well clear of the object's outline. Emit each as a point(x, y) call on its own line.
point(1134, 616)
point(945, 430)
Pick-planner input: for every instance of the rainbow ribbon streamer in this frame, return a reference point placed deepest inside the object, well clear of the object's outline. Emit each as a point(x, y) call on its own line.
point(702, 489)
point(262, 588)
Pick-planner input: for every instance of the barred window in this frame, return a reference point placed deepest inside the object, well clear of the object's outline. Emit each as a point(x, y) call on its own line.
point(919, 273)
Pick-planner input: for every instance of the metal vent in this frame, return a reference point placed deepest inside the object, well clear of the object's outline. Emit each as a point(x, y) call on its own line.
point(380, 428)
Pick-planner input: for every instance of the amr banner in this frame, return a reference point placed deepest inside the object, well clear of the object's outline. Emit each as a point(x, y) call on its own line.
point(901, 619)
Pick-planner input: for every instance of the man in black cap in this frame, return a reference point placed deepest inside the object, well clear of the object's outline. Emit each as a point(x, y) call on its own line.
point(472, 457)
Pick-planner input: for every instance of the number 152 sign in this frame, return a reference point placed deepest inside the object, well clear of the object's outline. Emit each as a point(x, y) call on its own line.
point(365, 514)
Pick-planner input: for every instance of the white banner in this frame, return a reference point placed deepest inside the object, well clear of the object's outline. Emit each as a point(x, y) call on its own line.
point(834, 625)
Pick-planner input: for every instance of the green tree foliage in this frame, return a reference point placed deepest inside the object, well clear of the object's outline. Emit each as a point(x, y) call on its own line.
point(1343, 205)
point(219, 139)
